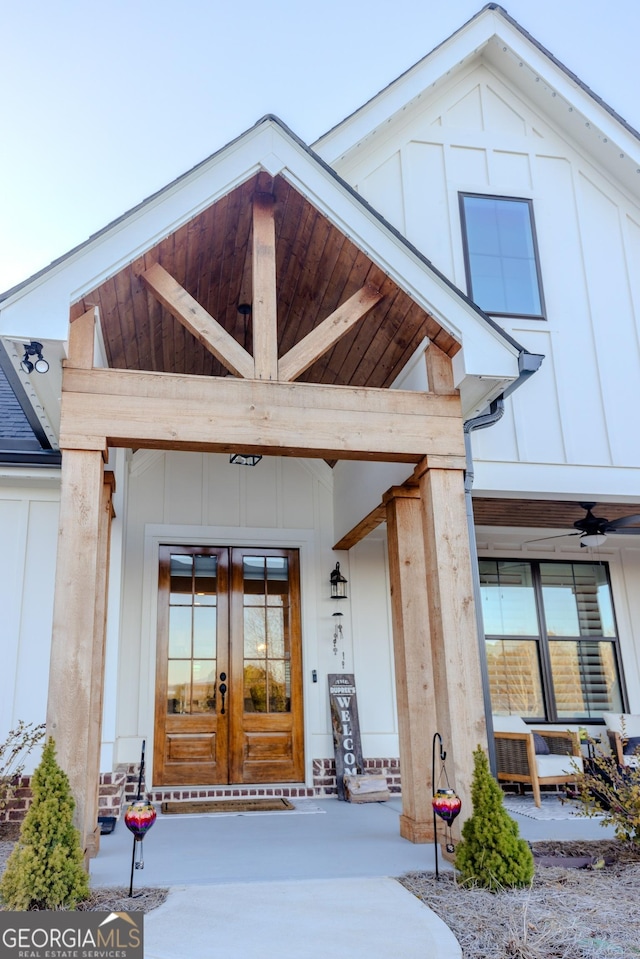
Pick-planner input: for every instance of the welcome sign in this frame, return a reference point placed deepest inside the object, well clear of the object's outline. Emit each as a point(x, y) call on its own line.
point(71, 935)
point(346, 728)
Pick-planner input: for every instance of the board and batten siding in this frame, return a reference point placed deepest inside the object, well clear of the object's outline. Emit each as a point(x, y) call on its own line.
point(476, 135)
point(28, 542)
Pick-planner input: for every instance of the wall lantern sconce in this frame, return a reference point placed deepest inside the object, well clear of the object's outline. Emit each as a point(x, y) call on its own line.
point(338, 584)
point(244, 459)
point(27, 365)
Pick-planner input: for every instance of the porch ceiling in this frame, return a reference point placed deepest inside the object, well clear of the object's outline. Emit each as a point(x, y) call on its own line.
point(531, 513)
point(317, 269)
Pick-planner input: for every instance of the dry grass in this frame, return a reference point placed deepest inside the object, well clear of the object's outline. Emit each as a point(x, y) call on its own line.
point(566, 913)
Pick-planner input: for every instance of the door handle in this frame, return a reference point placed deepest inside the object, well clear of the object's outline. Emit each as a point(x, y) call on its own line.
point(223, 690)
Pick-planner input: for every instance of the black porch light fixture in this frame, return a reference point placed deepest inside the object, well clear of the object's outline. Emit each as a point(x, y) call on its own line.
point(244, 459)
point(338, 584)
point(27, 365)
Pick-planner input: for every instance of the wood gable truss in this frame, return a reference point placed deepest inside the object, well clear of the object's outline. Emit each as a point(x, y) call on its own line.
point(305, 372)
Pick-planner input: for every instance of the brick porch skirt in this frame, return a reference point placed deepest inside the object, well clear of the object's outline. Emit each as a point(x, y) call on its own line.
point(120, 787)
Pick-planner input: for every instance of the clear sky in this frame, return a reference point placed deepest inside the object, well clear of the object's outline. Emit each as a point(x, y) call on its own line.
point(103, 102)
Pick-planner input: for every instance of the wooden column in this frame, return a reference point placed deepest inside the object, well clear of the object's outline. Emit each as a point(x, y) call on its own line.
point(92, 830)
point(79, 603)
point(265, 301)
point(454, 643)
point(412, 649)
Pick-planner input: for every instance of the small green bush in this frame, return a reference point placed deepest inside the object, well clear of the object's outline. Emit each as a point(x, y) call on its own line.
point(46, 868)
point(491, 853)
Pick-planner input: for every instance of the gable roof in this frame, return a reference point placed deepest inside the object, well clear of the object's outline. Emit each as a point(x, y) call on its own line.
point(494, 37)
point(347, 235)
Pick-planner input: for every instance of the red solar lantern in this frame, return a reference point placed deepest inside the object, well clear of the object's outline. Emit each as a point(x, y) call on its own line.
point(139, 818)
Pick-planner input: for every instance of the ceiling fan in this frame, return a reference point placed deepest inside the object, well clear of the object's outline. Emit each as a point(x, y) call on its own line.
point(593, 530)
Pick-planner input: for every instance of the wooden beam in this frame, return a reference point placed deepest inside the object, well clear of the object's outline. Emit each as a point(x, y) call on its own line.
point(370, 522)
point(195, 318)
point(439, 370)
point(81, 340)
point(328, 333)
point(415, 693)
point(265, 302)
point(169, 411)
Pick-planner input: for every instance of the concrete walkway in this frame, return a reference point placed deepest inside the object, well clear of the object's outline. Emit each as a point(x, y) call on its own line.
point(292, 885)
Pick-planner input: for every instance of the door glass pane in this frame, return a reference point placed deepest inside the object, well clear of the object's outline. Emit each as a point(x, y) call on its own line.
point(179, 632)
point(181, 571)
point(266, 634)
point(508, 600)
point(255, 633)
point(205, 580)
point(515, 682)
point(204, 631)
point(277, 642)
point(277, 580)
point(203, 689)
point(585, 679)
point(279, 689)
point(255, 687)
point(178, 686)
point(577, 599)
point(253, 570)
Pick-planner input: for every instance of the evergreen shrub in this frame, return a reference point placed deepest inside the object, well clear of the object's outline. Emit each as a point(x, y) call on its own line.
point(491, 853)
point(46, 868)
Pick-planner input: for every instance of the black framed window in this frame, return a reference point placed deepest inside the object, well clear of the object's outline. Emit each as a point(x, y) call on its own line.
point(501, 256)
point(551, 639)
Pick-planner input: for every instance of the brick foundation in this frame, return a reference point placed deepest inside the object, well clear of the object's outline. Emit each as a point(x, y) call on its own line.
point(120, 787)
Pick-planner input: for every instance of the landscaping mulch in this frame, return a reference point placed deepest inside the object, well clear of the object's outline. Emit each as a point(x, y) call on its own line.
point(567, 913)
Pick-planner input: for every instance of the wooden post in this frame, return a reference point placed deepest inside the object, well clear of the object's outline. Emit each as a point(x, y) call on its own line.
point(265, 301)
point(78, 618)
point(92, 830)
point(454, 644)
point(415, 691)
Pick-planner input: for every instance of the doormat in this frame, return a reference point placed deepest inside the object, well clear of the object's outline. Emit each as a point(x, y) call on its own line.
point(552, 808)
point(228, 806)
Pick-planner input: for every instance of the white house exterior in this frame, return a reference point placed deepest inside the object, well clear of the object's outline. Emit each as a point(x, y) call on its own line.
point(487, 120)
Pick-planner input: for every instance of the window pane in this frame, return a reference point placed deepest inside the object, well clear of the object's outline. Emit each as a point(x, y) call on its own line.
point(278, 684)
point(277, 580)
point(255, 687)
point(585, 679)
point(508, 601)
point(503, 276)
point(514, 677)
point(577, 599)
point(278, 641)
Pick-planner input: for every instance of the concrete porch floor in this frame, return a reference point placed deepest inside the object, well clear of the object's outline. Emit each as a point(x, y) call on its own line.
point(292, 885)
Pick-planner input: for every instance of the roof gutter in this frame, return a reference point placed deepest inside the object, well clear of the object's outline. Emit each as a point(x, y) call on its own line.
point(528, 364)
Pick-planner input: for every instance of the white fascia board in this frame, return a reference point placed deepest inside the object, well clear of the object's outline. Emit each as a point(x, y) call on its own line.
point(544, 480)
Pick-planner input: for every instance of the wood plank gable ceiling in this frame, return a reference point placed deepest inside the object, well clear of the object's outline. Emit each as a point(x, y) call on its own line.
point(317, 269)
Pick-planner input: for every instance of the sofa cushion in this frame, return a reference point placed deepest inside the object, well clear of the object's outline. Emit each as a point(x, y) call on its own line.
point(540, 745)
point(558, 765)
point(509, 724)
point(630, 745)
